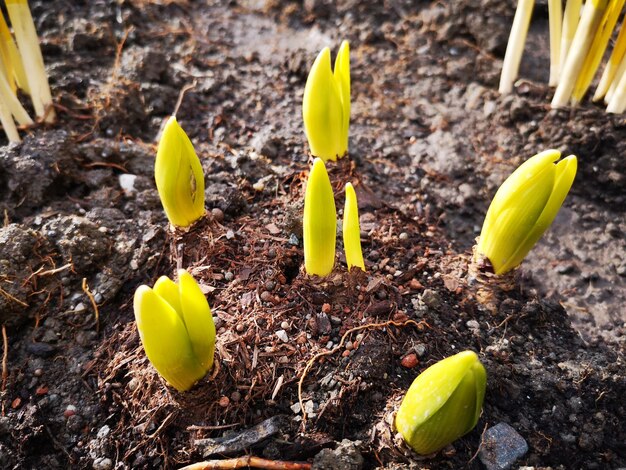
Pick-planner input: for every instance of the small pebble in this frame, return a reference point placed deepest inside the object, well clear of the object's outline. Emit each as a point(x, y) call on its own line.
point(235, 396)
point(293, 240)
point(224, 402)
point(403, 236)
point(266, 296)
point(349, 346)
point(284, 325)
point(239, 327)
point(217, 214)
point(229, 276)
point(420, 349)
point(103, 431)
point(282, 335)
point(326, 308)
point(329, 345)
point(133, 384)
point(502, 446)
point(230, 235)
point(69, 411)
point(270, 285)
point(346, 353)
point(80, 308)
point(410, 361)
point(258, 186)
point(38, 372)
point(102, 463)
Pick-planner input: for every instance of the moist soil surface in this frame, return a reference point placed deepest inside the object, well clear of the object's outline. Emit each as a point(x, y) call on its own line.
point(325, 360)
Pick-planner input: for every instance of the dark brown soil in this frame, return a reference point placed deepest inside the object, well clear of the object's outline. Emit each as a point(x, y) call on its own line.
point(431, 140)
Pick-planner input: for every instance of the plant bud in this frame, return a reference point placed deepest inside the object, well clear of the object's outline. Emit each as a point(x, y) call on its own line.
point(443, 403)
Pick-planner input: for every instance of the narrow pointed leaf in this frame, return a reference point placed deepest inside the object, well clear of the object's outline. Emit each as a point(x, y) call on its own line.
point(342, 77)
point(319, 223)
point(351, 230)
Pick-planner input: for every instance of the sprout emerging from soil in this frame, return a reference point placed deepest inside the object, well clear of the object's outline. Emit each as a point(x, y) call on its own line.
point(11, 70)
point(179, 177)
point(515, 46)
point(615, 66)
point(443, 403)
point(524, 207)
point(319, 224)
point(555, 12)
point(590, 20)
point(176, 329)
point(568, 30)
point(351, 230)
point(35, 71)
point(597, 49)
point(326, 105)
point(12, 66)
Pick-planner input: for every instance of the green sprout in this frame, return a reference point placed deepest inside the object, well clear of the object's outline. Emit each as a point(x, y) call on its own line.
point(443, 403)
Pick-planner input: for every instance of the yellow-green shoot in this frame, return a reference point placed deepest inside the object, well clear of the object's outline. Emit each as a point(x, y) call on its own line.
point(176, 329)
point(319, 224)
point(524, 207)
point(12, 66)
point(555, 13)
point(326, 105)
point(179, 177)
point(515, 46)
point(597, 49)
point(443, 403)
point(615, 66)
point(568, 30)
point(28, 44)
point(590, 20)
point(351, 230)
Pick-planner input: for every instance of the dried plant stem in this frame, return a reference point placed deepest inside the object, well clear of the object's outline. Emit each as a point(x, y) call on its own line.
point(93, 303)
point(247, 461)
point(5, 357)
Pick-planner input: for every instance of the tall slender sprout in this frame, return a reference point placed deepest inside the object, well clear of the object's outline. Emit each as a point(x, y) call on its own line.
point(593, 12)
point(612, 66)
point(555, 12)
point(7, 121)
point(351, 231)
point(9, 99)
point(515, 46)
point(570, 23)
point(597, 49)
point(11, 60)
point(617, 103)
point(616, 80)
point(28, 44)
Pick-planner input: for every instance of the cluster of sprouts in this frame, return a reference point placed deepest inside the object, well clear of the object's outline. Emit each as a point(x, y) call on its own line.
point(579, 37)
point(445, 401)
point(21, 68)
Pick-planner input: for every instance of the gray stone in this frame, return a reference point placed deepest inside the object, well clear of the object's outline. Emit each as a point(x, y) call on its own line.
point(345, 457)
point(501, 447)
